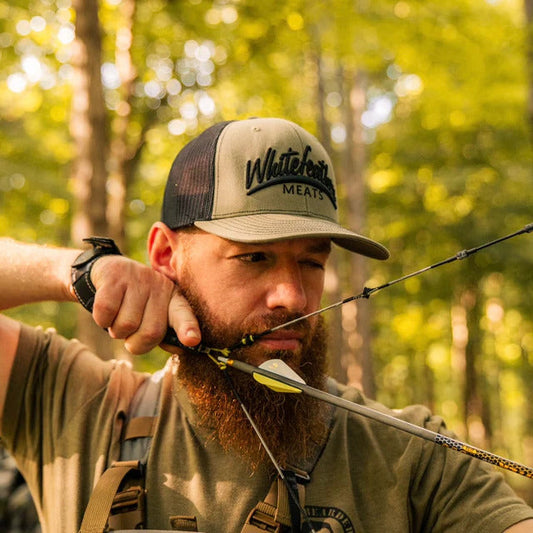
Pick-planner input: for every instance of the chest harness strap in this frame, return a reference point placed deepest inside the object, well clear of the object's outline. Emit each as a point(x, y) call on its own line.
point(118, 501)
point(277, 513)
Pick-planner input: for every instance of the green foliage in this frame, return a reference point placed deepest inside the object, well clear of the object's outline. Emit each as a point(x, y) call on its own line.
point(449, 154)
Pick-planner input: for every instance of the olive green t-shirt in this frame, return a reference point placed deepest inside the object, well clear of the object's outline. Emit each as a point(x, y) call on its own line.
point(64, 414)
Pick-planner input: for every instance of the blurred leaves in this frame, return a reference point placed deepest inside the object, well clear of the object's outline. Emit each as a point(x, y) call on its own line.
point(449, 154)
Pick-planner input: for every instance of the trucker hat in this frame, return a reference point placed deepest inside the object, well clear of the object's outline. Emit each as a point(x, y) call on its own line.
point(258, 180)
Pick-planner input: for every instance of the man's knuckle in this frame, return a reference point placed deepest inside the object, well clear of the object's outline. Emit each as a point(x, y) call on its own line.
point(180, 305)
point(151, 335)
point(127, 325)
point(103, 307)
point(134, 348)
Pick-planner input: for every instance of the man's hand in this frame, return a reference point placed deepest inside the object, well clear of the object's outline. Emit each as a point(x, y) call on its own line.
point(136, 303)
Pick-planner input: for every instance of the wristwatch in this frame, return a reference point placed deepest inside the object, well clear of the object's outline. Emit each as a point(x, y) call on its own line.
point(80, 270)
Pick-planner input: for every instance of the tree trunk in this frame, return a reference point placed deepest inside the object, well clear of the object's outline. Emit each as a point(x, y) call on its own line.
point(477, 417)
point(528, 10)
point(359, 366)
point(527, 379)
point(429, 385)
point(332, 289)
point(121, 154)
point(527, 373)
point(89, 131)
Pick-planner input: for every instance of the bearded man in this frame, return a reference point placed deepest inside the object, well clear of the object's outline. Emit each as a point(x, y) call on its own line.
point(248, 220)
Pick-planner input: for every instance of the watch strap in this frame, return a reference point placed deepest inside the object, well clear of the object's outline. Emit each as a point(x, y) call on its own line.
point(81, 268)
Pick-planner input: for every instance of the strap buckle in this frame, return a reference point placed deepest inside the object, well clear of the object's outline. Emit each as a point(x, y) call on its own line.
point(302, 476)
point(128, 509)
point(259, 521)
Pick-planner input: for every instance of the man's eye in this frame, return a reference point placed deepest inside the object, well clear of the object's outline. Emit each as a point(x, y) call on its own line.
point(254, 257)
point(315, 264)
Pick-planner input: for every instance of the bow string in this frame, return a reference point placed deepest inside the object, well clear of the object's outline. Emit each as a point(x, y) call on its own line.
point(248, 339)
point(276, 375)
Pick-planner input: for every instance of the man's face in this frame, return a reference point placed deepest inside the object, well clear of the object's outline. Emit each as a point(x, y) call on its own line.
point(247, 288)
point(239, 288)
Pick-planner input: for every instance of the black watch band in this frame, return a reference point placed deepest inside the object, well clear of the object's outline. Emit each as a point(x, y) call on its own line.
point(81, 268)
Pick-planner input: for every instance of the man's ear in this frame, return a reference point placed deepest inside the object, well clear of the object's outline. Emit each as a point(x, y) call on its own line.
point(163, 244)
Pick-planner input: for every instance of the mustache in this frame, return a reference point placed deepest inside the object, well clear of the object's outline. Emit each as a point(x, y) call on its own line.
point(220, 338)
point(277, 318)
point(267, 321)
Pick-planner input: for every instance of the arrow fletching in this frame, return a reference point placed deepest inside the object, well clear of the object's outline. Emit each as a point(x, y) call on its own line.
point(277, 366)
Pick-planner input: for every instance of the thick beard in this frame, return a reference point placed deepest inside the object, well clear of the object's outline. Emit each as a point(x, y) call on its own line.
point(292, 425)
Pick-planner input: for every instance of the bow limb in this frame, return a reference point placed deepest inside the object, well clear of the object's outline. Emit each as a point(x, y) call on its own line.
point(171, 337)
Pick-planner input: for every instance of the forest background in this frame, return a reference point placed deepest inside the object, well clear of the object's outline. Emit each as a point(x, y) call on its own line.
point(425, 106)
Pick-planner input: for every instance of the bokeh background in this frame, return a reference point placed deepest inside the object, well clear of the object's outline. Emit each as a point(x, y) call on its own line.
point(426, 108)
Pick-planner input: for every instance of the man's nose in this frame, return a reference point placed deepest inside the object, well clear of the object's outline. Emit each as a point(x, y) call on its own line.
point(287, 291)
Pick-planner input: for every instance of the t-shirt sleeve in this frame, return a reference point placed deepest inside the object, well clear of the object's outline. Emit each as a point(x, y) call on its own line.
point(453, 492)
point(63, 413)
point(445, 491)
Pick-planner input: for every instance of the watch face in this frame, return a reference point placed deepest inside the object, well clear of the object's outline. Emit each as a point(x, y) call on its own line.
point(85, 256)
point(100, 246)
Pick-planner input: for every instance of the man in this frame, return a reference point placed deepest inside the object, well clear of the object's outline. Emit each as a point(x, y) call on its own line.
point(248, 219)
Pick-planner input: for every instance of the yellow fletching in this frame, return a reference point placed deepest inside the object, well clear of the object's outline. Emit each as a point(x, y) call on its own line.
point(274, 384)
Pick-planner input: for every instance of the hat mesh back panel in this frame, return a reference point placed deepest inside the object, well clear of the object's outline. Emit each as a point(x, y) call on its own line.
point(191, 183)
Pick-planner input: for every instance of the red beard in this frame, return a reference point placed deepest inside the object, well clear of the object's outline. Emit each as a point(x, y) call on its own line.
point(291, 424)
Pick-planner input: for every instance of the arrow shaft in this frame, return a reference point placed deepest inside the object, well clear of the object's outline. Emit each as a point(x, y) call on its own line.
point(368, 412)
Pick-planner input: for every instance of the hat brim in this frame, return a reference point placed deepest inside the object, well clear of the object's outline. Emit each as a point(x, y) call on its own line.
point(278, 227)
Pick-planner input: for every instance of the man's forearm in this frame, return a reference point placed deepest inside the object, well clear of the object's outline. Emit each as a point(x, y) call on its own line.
point(133, 301)
point(32, 273)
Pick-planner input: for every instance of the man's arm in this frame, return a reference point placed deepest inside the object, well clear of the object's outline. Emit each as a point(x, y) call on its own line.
point(28, 273)
point(133, 301)
point(32, 273)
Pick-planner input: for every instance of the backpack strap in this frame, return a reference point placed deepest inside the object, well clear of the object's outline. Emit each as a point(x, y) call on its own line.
point(142, 419)
point(277, 513)
point(118, 499)
point(97, 514)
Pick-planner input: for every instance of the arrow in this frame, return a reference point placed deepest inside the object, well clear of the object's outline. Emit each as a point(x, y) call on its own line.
point(276, 375)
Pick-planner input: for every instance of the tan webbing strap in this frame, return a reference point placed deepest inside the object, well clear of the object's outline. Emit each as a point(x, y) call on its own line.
point(97, 512)
point(140, 426)
point(280, 499)
point(273, 513)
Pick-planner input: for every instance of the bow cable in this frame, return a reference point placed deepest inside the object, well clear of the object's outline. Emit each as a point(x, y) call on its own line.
point(282, 383)
point(248, 339)
point(281, 474)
